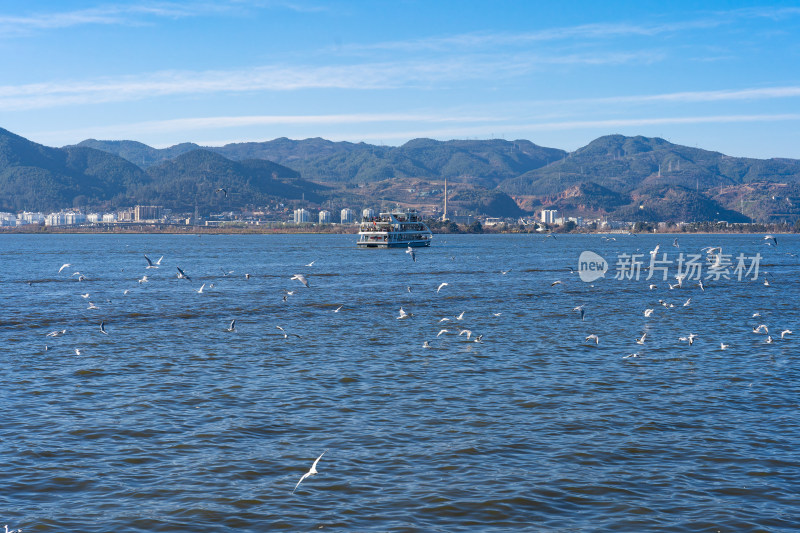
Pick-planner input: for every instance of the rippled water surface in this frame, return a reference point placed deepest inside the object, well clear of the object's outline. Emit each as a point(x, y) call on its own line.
point(172, 423)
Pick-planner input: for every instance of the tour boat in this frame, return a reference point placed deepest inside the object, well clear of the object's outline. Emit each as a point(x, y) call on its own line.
point(394, 229)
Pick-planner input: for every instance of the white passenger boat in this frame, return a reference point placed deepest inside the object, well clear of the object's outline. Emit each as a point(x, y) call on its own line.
point(394, 229)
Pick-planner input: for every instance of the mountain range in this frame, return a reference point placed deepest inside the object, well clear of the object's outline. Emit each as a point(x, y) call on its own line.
point(623, 178)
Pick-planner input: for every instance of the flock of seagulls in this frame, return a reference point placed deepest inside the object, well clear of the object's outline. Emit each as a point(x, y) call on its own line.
point(449, 322)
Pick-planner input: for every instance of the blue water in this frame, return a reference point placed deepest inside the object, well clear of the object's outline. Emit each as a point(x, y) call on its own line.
point(172, 423)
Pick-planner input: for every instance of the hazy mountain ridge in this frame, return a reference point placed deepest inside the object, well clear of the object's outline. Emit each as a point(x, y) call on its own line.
point(630, 178)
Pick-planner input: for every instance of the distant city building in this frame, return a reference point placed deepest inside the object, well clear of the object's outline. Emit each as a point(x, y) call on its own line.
point(348, 216)
point(94, 218)
point(324, 217)
point(368, 213)
point(8, 219)
point(125, 215)
point(146, 212)
point(27, 217)
point(301, 215)
point(109, 217)
point(549, 216)
point(64, 218)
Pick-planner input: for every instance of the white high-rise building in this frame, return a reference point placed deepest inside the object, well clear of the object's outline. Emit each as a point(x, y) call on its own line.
point(301, 215)
point(367, 213)
point(348, 216)
point(324, 217)
point(8, 219)
point(549, 216)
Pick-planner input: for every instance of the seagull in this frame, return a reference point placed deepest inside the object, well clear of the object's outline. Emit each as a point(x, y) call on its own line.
point(150, 264)
point(594, 338)
point(286, 335)
point(756, 314)
point(766, 282)
point(426, 344)
point(143, 280)
point(675, 243)
point(581, 310)
point(159, 260)
point(461, 316)
point(200, 290)
point(311, 263)
point(631, 355)
point(556, 282)
point(468, 332)
point(786, 332)
point(92, 306)
point(403, 314)
point(479, 338)
point(56, 333)
point(301, 278)
point(769, 339)
point(648, 312)
point(445, 319)
point(222, 190)
point(182, 274)
point(440, 287)
point(247, 276)
point(65, 265)
point(759, 328)
point(653, 286)
point(77, 351)
point(641, 340)
point(442, 331)
point(690, 338)
point(687, 302)
point(700, 284)
point(768, 237)
point(85, 295)
point(654, 251)
point(126, 291)
point(310, 472)
point(103, 327)
point(338, 308)
point(504, 272)
point(413, 253)
point(723, 346)
point(232, 327)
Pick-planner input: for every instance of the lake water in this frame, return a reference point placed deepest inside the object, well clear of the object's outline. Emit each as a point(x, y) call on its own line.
point(172, 423)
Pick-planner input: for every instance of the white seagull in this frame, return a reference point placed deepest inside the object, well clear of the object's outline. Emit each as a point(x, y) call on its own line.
point(786, 332)
point(310, 472)
point(182, 274)
point(690, 338)
point(311, 263)
point(442, 331)
point(65, 265)
point(232, 327)
point(200, 290)
point(103, 327)
point(150, 264)
point(723, 346)
point(440, 287)
point(338, 308)
point(412, 253)
point(594, 338)
point(641, 340)
point(403, 314)
point(648, 312)
point(286, 335)
point(301, 278)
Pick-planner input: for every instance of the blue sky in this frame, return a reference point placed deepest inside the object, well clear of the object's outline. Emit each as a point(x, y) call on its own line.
point(724, 76)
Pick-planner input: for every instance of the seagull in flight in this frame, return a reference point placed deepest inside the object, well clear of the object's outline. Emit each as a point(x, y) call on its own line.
point(786, 332)
point(65, 265)
point(182, 274)
point(580, 309)
point(556, 282)
point(641, 340)
point(150, 264)
point(311, 263)
point(594, 338)
point(200, 290)
point(56, 333)
point(86, 295)
point(687, 302)
point(442, 331)
point(403, 314)
point(690, 338)
point(648, 312)
point(286, 336)
point(504, 272)
point(222, 190)
point(723, 346)
point(413, 254)
point(143, 280)
point(92, 306)
point(768, 237)
point(103, 327)
point(311, 472)
point(441, 286)
point(232, 327)
point(759, 328)
point(338, 308)
point(301, 278)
